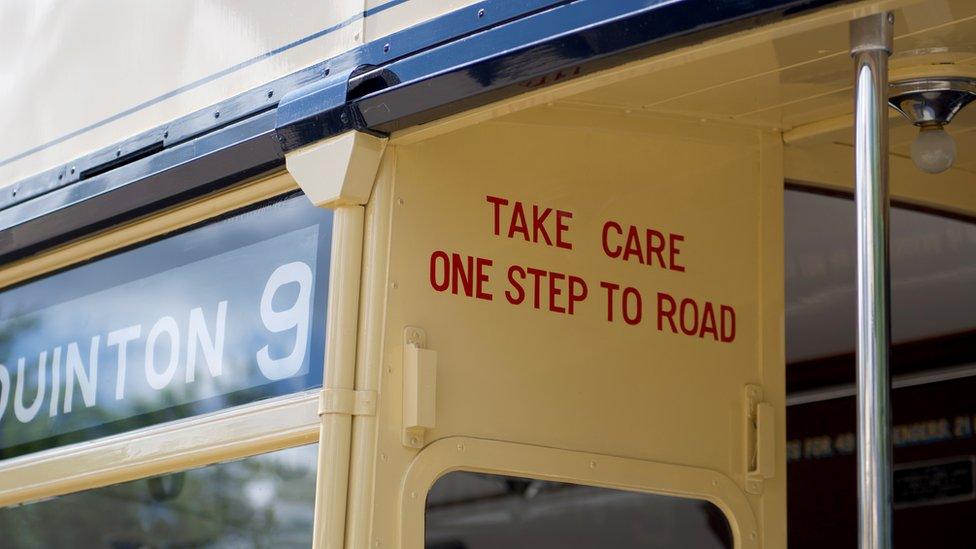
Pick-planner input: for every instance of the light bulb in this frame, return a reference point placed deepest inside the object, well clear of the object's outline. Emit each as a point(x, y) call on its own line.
point(934, 150)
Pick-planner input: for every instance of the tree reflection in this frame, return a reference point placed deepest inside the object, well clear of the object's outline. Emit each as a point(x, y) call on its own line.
point(262, 501)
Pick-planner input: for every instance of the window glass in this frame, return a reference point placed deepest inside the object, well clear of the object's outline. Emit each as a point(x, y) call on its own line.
point(221, 314)
point(261, 501)
point(474, 511)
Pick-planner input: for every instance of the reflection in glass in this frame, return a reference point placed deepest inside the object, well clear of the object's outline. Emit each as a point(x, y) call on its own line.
point(217, 315)
point(479, 511)
point(260, 501)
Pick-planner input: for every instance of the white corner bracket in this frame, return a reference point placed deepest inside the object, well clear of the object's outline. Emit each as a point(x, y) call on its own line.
point(338, 171)
point(419, 387)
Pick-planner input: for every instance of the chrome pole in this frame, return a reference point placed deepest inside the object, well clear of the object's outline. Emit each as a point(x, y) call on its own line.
point(871, 44)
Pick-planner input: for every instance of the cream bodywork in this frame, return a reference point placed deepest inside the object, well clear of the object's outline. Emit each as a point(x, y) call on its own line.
point(79, 76)
point(697, 141)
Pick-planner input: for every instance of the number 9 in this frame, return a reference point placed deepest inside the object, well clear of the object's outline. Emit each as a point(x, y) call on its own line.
point(279, 321)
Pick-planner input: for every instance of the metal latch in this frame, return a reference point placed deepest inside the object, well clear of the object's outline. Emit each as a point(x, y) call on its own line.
point(347, 402)
point(760, 439)
point(419, 387)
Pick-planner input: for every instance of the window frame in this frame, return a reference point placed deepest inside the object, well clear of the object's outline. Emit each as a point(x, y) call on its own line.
point(583, 468)
point(233, 433)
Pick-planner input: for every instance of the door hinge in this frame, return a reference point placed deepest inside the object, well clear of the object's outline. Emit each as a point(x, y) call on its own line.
point(419, 387)
point(760, 439)
point(347, 402)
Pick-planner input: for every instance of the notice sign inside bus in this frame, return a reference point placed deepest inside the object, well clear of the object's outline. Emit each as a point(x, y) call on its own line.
point(219, 315)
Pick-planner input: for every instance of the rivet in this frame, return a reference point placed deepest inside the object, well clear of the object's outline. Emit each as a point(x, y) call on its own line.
point(414, 440)
point(460, 447)
point(60, 175)
point(270, 94)
point(399, 201)
point(752, 535)
point(384, 457)
point(481, 13)
point(714, 483)
point(118, 153)
point(386, 48)
point(344, 118)
point(15, 191)
point(891, 19)
point(165, 135)
point(592, 465)
point(72, 169)
point(394, 285)
point(216, 114)
point(327, 70)
point(413, 495)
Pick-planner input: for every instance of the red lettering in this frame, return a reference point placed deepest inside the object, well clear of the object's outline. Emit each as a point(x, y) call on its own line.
point(611, 287)
point(561, 228)
point(728, 335)
point(638, 306)
point(535, 273)
point(441, 257)
point(694, 316)
point(518, 297)
point(663, 313)
point(615, 253)
point(576, 283)
point(481, 278)
point(655, 246)
point(708, 324)
point(538, 224)
point(518, 224)
point(497, 203)
point(465, 274)
point(459, 273)
point(633, 245)
point(554, 291)
point(673, 239)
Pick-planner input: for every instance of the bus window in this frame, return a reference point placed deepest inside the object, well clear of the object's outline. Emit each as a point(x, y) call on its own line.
point(221, 314)
point(260, 501)
point(474, 511)
point(932, 369)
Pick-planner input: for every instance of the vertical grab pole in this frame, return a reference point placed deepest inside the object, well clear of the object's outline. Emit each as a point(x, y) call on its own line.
point(871, 44)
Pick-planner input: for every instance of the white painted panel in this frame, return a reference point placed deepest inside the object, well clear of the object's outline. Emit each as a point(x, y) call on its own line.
point(67, 66)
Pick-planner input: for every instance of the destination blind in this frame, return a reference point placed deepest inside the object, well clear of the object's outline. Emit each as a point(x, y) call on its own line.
point(218, 315)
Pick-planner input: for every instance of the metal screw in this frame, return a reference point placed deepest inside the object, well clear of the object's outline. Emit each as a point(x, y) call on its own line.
point(481, 13)
point(344, 118)
point(386, 48)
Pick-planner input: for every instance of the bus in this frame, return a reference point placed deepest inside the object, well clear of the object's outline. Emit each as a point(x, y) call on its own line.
point(487, 274)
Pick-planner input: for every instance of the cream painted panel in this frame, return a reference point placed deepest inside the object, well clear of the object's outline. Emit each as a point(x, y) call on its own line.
point(69, 65)
point(830, 165)
point(402, 14)
point(518, 373)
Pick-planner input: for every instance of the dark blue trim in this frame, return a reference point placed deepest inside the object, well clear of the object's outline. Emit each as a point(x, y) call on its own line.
point(240, 151)
point(408, 41)
point(485, 52)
